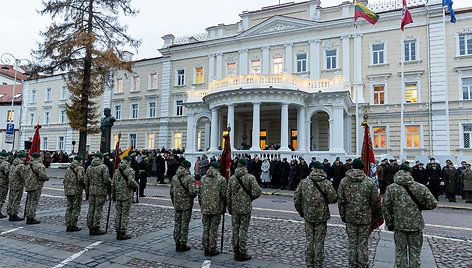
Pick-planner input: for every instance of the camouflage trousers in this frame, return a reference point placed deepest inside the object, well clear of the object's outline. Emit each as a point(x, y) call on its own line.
point(315, 239)
point(122, 214)
point(240, 223)
point(411, 241)
point(210, 230)
point(32, 201)
point(95, 210)
point(3, 193)
point(358, 236)
point(14, 200)
point(74, 203)
point(181, 222)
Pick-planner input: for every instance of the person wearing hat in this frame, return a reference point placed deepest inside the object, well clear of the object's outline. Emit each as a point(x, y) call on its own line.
point(123, 186)
point(4, 171)
point(347, 166)
point(73, 189)
point(16, 177)
point(461, 183)
point(211, 197)
point(242, 190)
point(312, 197)
point(97, 184)
point(389, 172)
point(419, 174)
point(402, 214)
point(183, 190)
point(36, 176)
point(466, 178)
point(434, 177)
point(357, 195)
point(451, 180)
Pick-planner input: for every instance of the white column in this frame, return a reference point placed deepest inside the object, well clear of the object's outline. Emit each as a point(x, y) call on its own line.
point(190, 133)
point(314, 130)
point(211, 68)
point(231, 123)
point(243, 62)
point(358, 66)
point(337, 134)
point(265, 60)
point(256, 126)
point(284, 128)
point(301, 131)
point(315, 59)
point(214, 129)
point(346, 59)
point(207, 135)
point(219, 66)
point(289, 58)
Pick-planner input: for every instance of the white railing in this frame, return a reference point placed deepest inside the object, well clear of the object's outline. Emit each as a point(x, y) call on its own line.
point(386, 5)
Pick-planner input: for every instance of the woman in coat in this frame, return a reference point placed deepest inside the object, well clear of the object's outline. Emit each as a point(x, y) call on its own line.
point(292, 174)
point(265, 173)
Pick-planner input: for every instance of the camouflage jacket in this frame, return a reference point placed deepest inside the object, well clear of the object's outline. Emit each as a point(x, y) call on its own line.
point(74, 179)
point(4, 170)
point(36, 175)
point(400, 211)
point(182, 199)
point(122, 189)
point(466, 178)
point(17, 175)
point(97, 178)
point(309, 202)
point(238, 200)
point(357, 194)
point(212, 192)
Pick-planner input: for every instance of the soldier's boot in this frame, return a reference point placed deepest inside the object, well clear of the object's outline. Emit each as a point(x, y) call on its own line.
point(97, 231)
point(75, 229)
point(15, 218)
point(32, 221)
point(92, 231)
point(68, 229)
point(207, 252)
point(214, 252)
point(2, 216)
point(236, 254)
point(244, 257)
point(123, 236)
point(184, 248)
point(177, 247)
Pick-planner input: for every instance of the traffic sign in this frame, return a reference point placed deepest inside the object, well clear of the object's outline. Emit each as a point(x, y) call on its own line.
point(10, 128)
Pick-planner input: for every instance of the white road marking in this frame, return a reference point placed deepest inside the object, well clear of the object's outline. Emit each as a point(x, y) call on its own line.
point(76, 255)
point(12, 230)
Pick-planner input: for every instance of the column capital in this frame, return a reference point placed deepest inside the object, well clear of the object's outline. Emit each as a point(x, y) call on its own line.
point(285, 104)
point(348, 36)
point(315, 41)
point(230, 105)
point(256, 103)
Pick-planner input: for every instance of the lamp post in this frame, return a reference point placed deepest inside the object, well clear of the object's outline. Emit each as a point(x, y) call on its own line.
point(7, 59)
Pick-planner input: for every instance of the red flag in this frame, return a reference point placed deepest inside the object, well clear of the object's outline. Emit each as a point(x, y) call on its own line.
point(116, 159)
point(36, 143)
point(406, 17)
point(225, 161)
point(370, 170)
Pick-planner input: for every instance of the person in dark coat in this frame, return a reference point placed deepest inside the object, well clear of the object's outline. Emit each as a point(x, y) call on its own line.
point(275, 170)
point(434, 178)
point(389, 172)
point(302, 170)
point(143, 175)
point(347, 166)
point(461, 183)
point(420, 175)
point(312, 163)
point(292, 174)
point(160, 167)
point(284, 170)
point(257, 169)
point(449, 175)
point(172, 166)
point(327, 168)
point(337, 173)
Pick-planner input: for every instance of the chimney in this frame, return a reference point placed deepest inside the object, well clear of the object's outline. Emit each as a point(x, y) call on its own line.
point(168, 40)
point(127, 56)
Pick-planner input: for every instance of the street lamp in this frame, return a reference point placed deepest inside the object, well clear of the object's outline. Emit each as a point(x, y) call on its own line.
point(7, 59)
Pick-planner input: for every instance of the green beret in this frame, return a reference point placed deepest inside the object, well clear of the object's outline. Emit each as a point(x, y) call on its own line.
point(5, 154)
point(99, 155)
point(406, 167)
point(21, 155)
point(318, 165)
point(215, 164)
point(36, 155)
point(127, 158)
point(186, 164)
point(358, 164)
point(79, 157)
point(242, 161)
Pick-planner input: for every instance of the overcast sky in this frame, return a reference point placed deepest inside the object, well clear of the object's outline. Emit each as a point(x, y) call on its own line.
point(21, 23)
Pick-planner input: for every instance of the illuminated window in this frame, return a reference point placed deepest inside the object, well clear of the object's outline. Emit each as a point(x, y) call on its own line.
point(301, 63)
point(467, 135)
point(119, 85)
point(10, 115)
point(378, 54)
point(413, 136)
point(224, 138)
point(177, 140)
point(263, 138)
point(115, 140)
point(379, 93)
point(152, 109)
point(150, 141)
point(136, 83)
point(465, 44)
point(466, 88)
point(231, 69)
point(410, 50)
point(278, 65)
point(256, 66)
point(153, 81)
point(293, 138)
point(380, 137)
point(198, 75)
point(199, 140)
point(331, 59)
point(411, 92)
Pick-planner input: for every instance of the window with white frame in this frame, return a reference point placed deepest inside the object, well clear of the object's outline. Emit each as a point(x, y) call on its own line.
point(48, 94)
point(10, 115)
point(152, 109)
point(150, 140)
point(63, 92)
point(46, 117)
point(179, 108)
point(465, 44)
point(62, 116)
point(33, 96)
point(413, 136)
point(135, 83)
point(132, 140)
point(278, 65)
point(301, 63)
point(331, 59)
point(466, 88)
point(60, 143)
point(119, 85)
point(411, 92)
point(180, 77)
point(198, 75)
point(379, 94)
point(231, 69)
point(256, 66)
point(118, 111)
point(153, 81)
point(410, 50)
point(134, 110)
point(177, 140)
point(466, 136)
point(378, 54)
point(31, 121)
point(380, 137)
point(45, 143)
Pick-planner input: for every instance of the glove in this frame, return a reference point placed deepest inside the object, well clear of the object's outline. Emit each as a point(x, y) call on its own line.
point(343, 219)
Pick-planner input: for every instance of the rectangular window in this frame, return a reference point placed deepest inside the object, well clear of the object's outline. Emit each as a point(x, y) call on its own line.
point(278, 65)
point(256, 66)
point(33, 96)
point(301, 63)
point(263, 138)
point(153, 78)
point(134, 110)
point(380, 138)
point(378, 54)
point(152, 109)
point(198, 75)
point(115, 140)
point(150, 141)
point(466, 88)
point(60, 143)
point(136, 83)
point(294, 138)
point(411, 93)
point(413, 136)
point(46, 117)
point(379, 95)
point(119, 85)
point(31, 118)
point(48, 94)
point(62, 116)
point(179, 108)
point(10, 115)
point(177, 140)
point(180, 77)
point(232, 69)
point(465, 44)
point(132, 140)
point(118, 112)
point(63, 92)
point(45, 143)
point(466, 135)
point(410, 50)
point(331, 59)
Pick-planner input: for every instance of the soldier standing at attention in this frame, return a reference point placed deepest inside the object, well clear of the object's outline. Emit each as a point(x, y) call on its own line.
point(73, 188)
point(357, 194)
point(4, 171)
point(242, 190)
point(466, 178)
point(34, 183)
point(17, 178)
point(97, 182)
point(211, 196)
point(122, 188)
point(402, 205)
point(311, 201)
point(182, 192)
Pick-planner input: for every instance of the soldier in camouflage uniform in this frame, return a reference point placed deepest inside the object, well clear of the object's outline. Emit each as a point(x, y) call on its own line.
point(123, 186)
point(4, 171)
point(36, 176)
point(17, 178)
point(97, 183)
point(240, 207)
point(357, 194)
point(403, 216)
point(211, 196)
point(466, 178)
point(312, 205)
point(73, 188)
point(182, 192)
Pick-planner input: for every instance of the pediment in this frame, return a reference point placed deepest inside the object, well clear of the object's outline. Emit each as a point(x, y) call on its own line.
point(277, 24)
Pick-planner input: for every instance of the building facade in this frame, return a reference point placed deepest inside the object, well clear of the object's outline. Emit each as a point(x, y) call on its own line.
point(291, 80)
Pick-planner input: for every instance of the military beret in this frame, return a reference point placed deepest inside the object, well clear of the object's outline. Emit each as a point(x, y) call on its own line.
point(21, 155)
point(186, 163)
point(242, 161)
point(406, 167)
point(99, 155)
point(127, 158)
point(215, 164)
point(5, 154)
point(79, 157)
point(36, 155)
point(467, 164)
point(349, 159)
point(318, 165)
point(358, 164)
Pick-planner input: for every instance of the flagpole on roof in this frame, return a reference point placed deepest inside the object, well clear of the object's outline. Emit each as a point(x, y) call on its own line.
point(356, 59)
point(445, 76)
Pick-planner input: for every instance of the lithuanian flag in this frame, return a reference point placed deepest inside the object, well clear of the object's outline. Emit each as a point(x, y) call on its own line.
point(362, 11)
